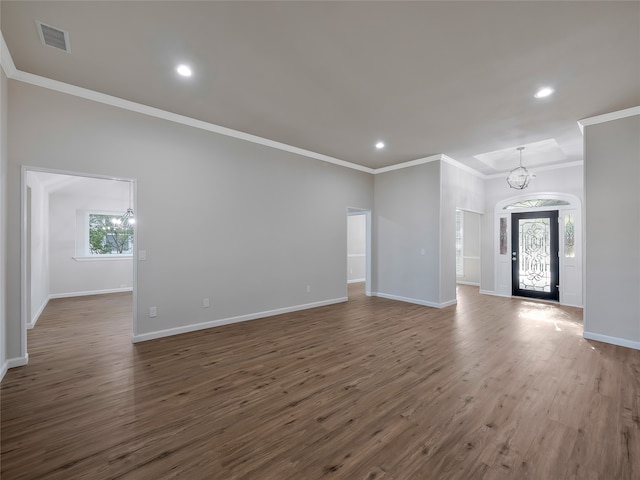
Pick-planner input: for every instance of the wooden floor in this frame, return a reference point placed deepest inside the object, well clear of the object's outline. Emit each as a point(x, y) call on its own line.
point(369, 389)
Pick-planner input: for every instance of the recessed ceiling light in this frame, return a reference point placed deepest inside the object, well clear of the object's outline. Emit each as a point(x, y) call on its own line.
point(544, 92)
point(183, 70)
point(379, 145)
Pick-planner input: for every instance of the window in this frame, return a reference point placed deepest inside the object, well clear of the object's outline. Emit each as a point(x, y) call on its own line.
point(569, 235)
point(109, 234)
point(537, 202)
point(459, 249)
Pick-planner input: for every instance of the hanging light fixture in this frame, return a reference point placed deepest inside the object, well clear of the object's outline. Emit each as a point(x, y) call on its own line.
point(519, 177)
point(127, 217)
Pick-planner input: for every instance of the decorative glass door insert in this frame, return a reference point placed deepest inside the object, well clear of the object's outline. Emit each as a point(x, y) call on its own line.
point(534, 241)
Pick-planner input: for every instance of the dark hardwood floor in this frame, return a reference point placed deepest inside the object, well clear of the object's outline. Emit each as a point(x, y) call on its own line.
point(370, 389)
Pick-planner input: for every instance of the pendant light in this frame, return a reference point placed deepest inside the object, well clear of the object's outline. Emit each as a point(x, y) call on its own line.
point(519, 177)
point(127, 217)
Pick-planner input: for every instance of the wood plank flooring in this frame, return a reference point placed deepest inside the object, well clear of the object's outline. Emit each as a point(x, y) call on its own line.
point(491, 388)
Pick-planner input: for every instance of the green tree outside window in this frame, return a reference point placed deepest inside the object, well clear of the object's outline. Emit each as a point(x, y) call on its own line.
point(109, 235)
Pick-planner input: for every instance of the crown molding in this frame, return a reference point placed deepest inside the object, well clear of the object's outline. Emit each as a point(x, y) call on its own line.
point(607, 117)
point(5, 59)
point(13, 73)
point(174, 117)
point(463, 167)
point(411, 163)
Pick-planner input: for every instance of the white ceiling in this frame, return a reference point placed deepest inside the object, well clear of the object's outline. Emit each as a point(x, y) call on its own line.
point(84, 187)
point(456, 78)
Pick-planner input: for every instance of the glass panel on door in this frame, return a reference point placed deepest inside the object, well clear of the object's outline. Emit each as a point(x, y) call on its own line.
point(535, 254)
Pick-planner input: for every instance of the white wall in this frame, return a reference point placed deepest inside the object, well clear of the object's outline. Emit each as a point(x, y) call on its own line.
point(68, 234)
point(459, 190)
point(470, 248)
point(406, 226)
point(252, 226)
point(38, 248)
point(612, 231)
point(562, 180)
point(356, 247)
point(414, 229)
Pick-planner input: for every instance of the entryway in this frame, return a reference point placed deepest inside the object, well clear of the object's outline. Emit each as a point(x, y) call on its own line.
point(534, 255)
point(538, 247)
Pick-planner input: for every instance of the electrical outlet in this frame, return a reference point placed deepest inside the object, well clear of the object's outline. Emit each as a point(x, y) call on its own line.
point(308, 288)
point(205, 303)
point(153, 312)
point(142, 254)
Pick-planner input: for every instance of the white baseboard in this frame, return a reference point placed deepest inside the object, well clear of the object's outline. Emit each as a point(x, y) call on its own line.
point(12, 363)
point(226, 321)
point(462, 282)
point(491, 292)
point(357, 280)
point(35, 318)
point(90, 292)
point(414, 300)
point(621, 342)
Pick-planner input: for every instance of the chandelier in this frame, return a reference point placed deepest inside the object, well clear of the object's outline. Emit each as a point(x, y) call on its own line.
point(519, 177)
point(127, 219)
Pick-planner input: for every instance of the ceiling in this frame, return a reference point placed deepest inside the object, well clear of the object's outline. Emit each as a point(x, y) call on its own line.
point(456, 78)
point(85, 187)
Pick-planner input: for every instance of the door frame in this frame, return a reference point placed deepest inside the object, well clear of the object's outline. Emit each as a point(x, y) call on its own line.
point(24, 248)
point(554, 259)
point(367, 213)
point(570, 268)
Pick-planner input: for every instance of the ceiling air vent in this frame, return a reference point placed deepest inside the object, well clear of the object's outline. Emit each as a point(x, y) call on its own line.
point(53, 37)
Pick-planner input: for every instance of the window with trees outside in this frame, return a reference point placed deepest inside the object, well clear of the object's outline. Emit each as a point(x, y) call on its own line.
point(109, 234)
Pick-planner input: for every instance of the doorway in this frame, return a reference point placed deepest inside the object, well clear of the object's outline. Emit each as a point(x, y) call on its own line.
point(58, 260)
point(359, 249)
point(534, 255)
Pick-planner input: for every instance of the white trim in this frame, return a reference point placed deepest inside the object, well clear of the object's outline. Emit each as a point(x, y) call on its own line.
point(461, 166)
point(12, 363)
point(6, 61)
point(494, 294)
point(77, 174)
point(412, 163)
point(102, 258)
point(226, 321)
point(90, 292)
point(415, 301)
point(608, 117)
point(357, 280)
point(462, 282)
point(34, 319)
point(24, 299)
point(17, 361)
point(13, 73)
point(92, 95)
point(621, 342)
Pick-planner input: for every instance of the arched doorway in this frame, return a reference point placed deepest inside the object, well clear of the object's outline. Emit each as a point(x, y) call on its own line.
point(514, 214)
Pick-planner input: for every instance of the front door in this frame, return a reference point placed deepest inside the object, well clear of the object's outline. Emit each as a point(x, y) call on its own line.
point(534, 254)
